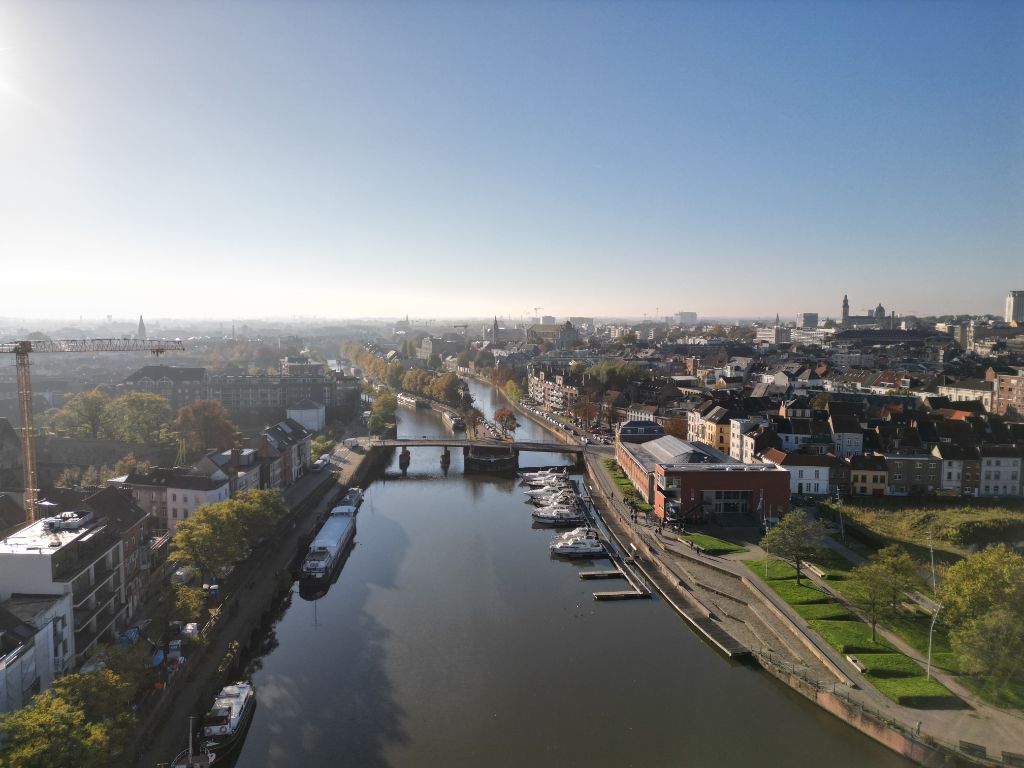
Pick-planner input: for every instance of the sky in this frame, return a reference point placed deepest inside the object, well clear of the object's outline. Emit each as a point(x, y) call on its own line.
point(332, 159)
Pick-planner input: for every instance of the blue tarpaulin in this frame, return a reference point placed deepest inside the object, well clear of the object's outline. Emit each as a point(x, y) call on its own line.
point(158, 658)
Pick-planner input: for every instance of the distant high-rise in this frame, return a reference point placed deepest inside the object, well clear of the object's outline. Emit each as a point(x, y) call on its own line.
point(1015, 307)
point(686, 318)
point(807, 320)
point(548, 320)
point(142, 328)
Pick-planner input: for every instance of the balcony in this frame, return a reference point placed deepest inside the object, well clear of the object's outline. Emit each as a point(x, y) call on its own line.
point(84, 616)
point(102, 578)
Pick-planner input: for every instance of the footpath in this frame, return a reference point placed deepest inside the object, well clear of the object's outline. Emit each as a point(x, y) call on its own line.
point(784, 644)
point(162, 732)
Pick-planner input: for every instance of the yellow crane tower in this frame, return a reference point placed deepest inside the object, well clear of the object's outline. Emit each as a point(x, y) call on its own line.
point(21, 351)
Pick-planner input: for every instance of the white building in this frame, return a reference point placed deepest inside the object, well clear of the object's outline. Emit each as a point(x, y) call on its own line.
point(808, 474)
point(310, 414)
point(967, 390)
point(170, 495)
point(737, 429)
point(26, 659)
point(1015, 307)
point(1000, 471)
point(69, 555)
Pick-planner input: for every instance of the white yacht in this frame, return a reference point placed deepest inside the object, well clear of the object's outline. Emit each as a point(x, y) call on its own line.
point(542, 474)
point(537, 493)
point(578, 547)
point(582, 532)
point(554, 498)
point(562, 516)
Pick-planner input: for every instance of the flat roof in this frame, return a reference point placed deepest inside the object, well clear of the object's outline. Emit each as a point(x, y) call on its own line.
point(38, 539)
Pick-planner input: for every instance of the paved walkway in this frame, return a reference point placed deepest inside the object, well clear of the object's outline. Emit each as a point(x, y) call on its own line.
point(994, 728)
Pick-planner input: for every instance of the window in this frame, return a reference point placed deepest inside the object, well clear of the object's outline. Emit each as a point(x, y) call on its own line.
point(816, 474)
point(174, 497)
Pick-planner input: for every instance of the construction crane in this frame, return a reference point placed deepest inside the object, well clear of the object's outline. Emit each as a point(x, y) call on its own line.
point(21, 351)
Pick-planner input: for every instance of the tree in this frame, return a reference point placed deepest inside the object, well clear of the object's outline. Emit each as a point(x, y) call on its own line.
point(321, 444)
point(506, 419)
point(376, 424)
point(257, 512)
point(585, 410)
point(205, 424)
point(485, 359)
point(81, 720)
point(84, 415)
point(473, 419)
point(129, 464)
point(795, 538)
point(138, 417)
point(820, 401)
point(210, 540)
point(514, 391)
point(982, 582)
point(991, 646)
point(69, 477)
point(900, 573)
point(871, 591)
point(190, 602)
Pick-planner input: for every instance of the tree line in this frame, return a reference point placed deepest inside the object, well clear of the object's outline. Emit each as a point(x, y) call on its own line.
point(143, 417)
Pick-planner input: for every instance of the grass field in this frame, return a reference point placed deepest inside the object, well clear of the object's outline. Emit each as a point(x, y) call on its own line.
point(626, 487)
point(712, 545)
point(895, 675)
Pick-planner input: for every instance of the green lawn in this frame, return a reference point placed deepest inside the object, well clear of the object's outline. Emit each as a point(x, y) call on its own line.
point(712, 545)
point(896, 676)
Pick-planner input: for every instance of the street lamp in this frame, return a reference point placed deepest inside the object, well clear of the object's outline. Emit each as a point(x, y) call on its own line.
point(928, 672)
point(931, 553)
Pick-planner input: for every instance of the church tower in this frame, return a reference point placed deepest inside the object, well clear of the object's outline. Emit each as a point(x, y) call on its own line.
point(846, 311)
point(142, 329)
point(494, 332)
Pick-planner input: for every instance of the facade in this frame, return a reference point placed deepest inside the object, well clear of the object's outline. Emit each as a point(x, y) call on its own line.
point(967, 389)
point(26, 660)
point(293, 442)
point(776, 334)
point(640, 412)
point(807, 320)
point(72, 555)
point(301, 366)
point(809, 474)
point(310, 414)
point(1000, 470)
point(1007, 389)
point(869, 475)
point(913, 474)
point(1014, 307)
point(553, 388)
point(179, 386)
point(169, 495)
point(127, 520)
point(240, 465)
point(960, 470)
point(686, 480)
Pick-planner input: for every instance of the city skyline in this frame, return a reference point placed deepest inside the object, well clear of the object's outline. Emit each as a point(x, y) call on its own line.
point(373, 161)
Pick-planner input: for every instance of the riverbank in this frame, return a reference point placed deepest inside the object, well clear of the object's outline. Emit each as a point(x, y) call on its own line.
point(783, 645)
point(266, 581)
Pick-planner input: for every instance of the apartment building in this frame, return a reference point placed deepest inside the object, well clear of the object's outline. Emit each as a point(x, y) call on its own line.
point(1000, 470)
point(72, 555)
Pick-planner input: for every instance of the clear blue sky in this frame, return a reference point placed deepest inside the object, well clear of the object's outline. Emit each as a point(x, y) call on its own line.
point(372, 159)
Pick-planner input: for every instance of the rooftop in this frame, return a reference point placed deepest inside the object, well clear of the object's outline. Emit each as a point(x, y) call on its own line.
point(46, 537)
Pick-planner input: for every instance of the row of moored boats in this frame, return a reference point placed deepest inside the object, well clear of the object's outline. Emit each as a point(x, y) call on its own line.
point(557, 505)
point(225, 724)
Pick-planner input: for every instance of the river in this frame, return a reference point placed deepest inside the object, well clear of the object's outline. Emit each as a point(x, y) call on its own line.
point(452, 638)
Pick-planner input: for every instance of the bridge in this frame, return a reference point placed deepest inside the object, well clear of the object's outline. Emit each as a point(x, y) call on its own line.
point(480, 455)
point(456, 442)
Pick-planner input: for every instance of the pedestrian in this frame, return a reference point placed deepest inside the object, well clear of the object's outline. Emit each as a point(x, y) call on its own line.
point(918, 727)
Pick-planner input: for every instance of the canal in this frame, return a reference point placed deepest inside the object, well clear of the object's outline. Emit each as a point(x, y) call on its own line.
point(452, 638)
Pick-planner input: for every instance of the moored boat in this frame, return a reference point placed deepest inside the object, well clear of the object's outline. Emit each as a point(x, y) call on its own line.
point(577, 547)
point(453, 421)
point(225, 724)
point(196, 756)
point(326, 549)
point(563, 516)
point(353, 497)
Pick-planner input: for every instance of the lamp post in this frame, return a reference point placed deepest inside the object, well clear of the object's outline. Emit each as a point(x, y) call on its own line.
point(931, 629)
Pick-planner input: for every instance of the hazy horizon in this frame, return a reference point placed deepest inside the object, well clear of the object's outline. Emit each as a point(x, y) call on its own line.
point(373, 160)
